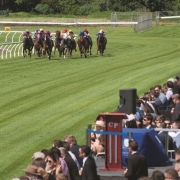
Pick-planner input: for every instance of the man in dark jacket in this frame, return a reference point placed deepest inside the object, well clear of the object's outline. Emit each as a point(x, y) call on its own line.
point(89, 171)
point(137, 165)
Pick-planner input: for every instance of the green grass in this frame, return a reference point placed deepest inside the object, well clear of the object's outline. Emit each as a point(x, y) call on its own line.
point(42, 100)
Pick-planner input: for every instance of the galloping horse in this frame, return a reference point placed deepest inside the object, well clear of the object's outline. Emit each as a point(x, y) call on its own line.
point(27, 45)
point(101, 44)
point(47, 46)
point(38, 45)
point(71, 45)
point(90, 44)
point(83, 44)
point(63, 47)
point(57, 42)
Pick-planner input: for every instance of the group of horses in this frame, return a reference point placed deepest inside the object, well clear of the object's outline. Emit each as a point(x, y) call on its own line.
point(43, 46)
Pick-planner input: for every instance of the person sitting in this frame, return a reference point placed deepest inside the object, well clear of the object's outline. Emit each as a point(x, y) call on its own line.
point(64, 33)
point(97, 140)
point(71, 37)
point(101, 31)
point(42, 34)
point(160, 98)
point(147, 121)
point(86, 32)
point(71, 34)
point(48, 34)
point(27, 34)
point(81, 33)
point(35, 33)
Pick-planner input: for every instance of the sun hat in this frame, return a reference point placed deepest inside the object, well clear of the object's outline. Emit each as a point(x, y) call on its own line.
point(130, 117)
point(38, 155)
point(171, 79)
point(100, 123)
point(31, 169)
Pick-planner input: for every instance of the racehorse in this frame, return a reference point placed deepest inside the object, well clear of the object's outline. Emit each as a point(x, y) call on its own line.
point(71, 45)
point(83, 45)
point(38, 45)
point(47, 46)
point(57, 42)
point(101, 44)
point(27, 45)
point(63, 47)
point(90, 43)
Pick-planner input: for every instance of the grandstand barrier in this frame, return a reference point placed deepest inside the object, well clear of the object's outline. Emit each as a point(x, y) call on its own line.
point(149, 145)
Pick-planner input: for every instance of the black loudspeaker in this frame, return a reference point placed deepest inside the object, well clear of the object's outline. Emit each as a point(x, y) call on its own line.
point(127, 101)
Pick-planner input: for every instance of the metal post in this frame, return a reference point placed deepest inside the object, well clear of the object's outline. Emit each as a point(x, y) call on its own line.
point(167, 142)
point(88, 135)
point(130, 135)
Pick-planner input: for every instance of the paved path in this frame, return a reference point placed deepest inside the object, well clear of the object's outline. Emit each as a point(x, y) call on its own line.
point(119, 175)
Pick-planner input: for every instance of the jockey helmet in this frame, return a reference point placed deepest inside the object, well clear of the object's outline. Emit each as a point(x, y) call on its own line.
point(64, 30)
point(27, 30)
point(85, 29)
point(37, 30)
point(41, 30)
point(70, 31)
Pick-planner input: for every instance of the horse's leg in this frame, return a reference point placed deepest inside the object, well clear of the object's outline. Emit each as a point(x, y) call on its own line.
point(65, 51)
point(55, 49)
point(24, 53)
point(59, 51)
point(90, 49)
point(97, 49)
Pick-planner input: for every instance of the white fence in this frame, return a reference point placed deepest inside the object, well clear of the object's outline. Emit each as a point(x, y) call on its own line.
point(11, 45)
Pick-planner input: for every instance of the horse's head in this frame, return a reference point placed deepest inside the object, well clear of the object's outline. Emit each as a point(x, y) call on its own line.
point(100, 35)
point(58, 34)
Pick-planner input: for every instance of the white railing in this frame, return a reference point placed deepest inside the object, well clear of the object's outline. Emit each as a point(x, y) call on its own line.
point(11, 45)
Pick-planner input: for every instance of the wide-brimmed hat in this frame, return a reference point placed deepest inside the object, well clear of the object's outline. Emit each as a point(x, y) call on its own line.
point(130, 117)
point(171, 79)
point(100, 123)
point(31, 169)
point(38, 155)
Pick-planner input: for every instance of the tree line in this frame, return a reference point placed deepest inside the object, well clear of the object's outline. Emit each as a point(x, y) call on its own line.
point(86, 7)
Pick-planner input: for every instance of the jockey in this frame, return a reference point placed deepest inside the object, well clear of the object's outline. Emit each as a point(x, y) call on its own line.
point(86, 32)
point(81, 33)
point(35, 33)
point(101, 32)
point(42, 33)
point(71, 34)
point(64, 33)
point(48, 33)
point(71, 37)
point(28, 35)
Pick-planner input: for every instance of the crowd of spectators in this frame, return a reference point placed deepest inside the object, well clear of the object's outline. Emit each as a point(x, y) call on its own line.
point(65, 160)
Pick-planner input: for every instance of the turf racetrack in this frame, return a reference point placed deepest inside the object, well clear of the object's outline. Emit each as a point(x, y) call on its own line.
point(42, 100)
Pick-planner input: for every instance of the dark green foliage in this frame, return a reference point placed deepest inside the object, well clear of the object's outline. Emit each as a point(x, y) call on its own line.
point(85, 7)
point(43, 9)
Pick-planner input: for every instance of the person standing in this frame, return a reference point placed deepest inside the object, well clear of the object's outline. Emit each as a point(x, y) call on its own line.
point(89, 170)
point(137, 165)
point(176, 110)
